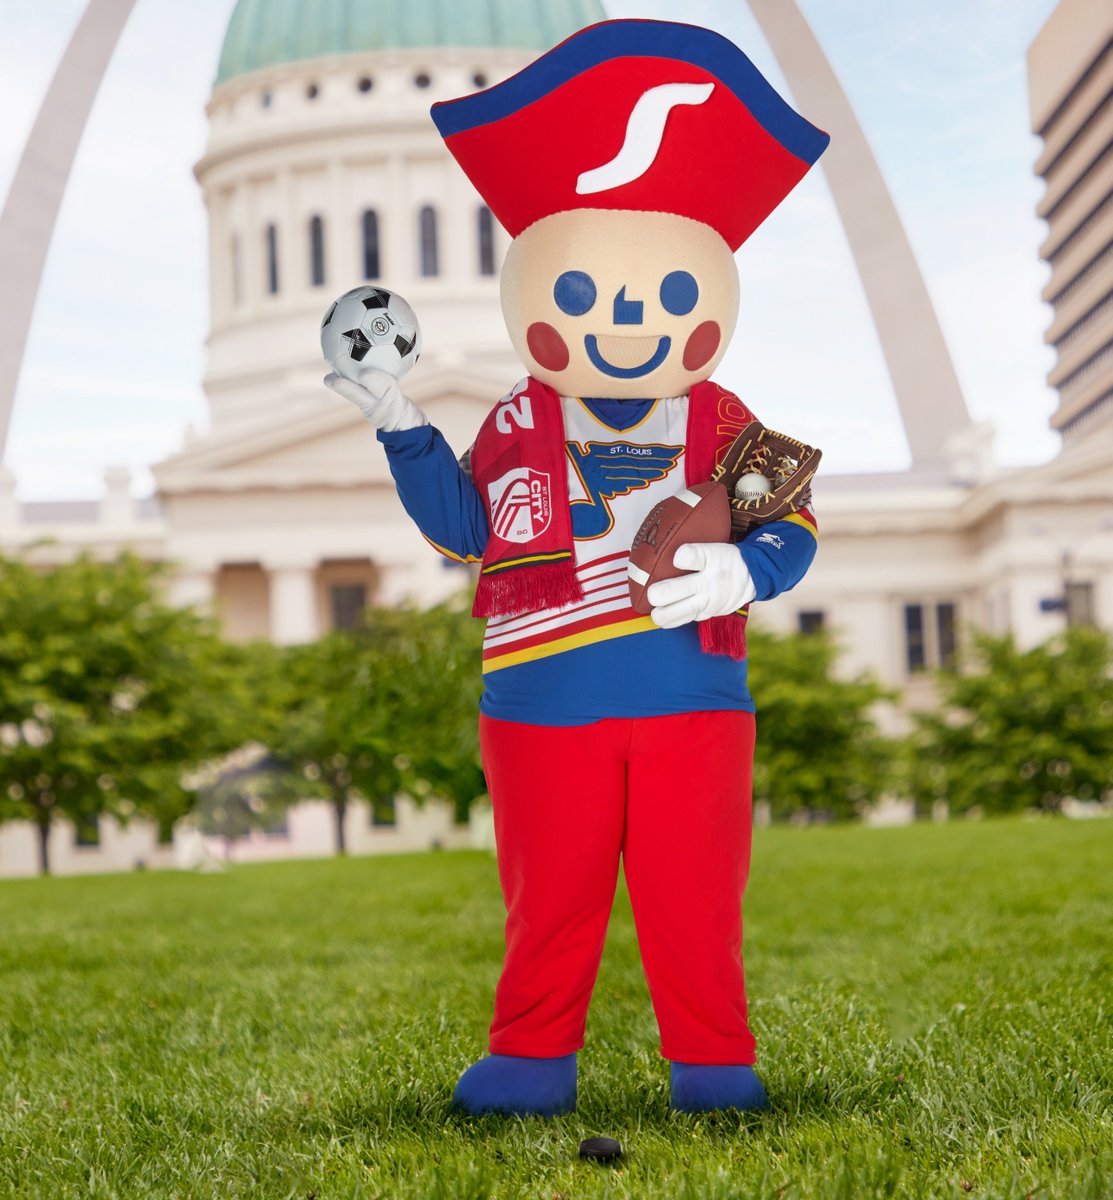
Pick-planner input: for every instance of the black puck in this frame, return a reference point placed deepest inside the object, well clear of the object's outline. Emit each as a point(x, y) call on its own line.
point(603, 1150)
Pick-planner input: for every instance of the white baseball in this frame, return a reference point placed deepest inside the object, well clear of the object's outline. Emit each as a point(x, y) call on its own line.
point(752, 486)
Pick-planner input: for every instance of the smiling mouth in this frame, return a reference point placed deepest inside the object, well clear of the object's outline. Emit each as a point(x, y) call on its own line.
point(626, 357)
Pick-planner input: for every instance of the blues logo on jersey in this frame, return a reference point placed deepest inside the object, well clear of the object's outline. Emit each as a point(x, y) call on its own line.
point(610, 469)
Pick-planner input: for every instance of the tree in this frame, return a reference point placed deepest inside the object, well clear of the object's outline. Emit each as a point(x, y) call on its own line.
point(1019, 729)
point(439, 711)
point(818, 748)
point(390, 704)
point(107, 694)
point(332, 742)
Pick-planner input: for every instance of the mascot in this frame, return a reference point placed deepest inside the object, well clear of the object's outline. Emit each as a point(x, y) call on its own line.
point(627, 164)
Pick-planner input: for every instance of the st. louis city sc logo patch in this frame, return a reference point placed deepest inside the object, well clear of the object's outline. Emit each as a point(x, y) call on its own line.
point(521, 504)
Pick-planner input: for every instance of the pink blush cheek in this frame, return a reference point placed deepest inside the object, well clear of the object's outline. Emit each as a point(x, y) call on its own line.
point(547, 346)
point(702, 344)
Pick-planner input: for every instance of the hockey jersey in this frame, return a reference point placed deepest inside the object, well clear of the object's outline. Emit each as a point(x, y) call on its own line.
point(597, 657)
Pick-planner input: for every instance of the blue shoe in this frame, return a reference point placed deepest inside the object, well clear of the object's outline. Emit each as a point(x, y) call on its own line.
point(524, 1087)
point(697, 1087)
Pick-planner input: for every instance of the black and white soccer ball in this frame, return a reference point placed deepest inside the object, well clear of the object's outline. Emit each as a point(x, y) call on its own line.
point(370, 327)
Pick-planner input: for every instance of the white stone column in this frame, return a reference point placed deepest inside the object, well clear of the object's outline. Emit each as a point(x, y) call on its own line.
point(341, 255)
point(220, 257)
point(398, 582)
point(117, 506)
point(398, 247)
point(9, 505)
point(1103, 599)
point(293, 605)
point(192, 586)
point(253, 256)
point(293, 274)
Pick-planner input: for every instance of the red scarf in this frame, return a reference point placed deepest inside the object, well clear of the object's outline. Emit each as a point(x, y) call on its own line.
point(519, 468)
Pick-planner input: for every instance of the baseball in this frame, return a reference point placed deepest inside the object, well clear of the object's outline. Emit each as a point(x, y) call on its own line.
point(752, 486)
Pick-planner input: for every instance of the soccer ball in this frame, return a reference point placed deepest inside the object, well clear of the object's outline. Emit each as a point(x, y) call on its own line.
point(370, 327)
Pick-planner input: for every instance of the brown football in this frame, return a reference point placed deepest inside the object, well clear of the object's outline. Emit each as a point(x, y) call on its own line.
point(700, 513)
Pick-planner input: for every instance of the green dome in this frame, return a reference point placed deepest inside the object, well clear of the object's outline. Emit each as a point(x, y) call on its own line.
point(263, 33)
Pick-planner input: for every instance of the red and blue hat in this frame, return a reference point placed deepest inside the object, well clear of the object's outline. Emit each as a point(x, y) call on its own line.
point(646, 115)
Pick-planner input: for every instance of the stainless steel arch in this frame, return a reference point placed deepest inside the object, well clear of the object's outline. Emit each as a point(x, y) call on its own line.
point(928, 393)
point(31, 209)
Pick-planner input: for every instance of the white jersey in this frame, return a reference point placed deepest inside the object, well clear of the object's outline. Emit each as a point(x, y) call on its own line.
point(614, 478)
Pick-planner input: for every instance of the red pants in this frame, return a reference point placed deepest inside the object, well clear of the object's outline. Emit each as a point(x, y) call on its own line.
point(671, 795)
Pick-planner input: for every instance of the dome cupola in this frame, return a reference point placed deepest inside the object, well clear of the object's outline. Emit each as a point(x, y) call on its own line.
point(266, 33)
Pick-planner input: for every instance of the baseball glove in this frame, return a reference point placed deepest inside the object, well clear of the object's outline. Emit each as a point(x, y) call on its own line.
point(787, 464)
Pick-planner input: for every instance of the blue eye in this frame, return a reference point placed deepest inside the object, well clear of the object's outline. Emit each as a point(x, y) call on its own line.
point(679, 293)
point(574, 293)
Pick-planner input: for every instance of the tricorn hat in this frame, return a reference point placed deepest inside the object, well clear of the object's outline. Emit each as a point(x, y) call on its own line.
point(645, 115)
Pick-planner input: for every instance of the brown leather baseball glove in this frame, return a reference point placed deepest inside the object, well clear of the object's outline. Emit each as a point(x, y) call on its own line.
point(787, 465)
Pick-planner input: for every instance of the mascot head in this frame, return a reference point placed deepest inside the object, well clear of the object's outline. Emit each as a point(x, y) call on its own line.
point(628, 164)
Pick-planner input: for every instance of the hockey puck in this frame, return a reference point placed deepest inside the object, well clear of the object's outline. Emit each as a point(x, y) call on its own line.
point(601, 1150)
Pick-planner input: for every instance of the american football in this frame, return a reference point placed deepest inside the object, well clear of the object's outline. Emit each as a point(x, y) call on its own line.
point(370, 327)
point(700, 513)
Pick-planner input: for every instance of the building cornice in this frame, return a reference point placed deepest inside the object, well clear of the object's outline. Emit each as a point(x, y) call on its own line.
point(217, 461)
point(309, 133)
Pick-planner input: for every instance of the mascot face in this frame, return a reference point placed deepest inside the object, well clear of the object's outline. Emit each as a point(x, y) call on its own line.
point(622, 304)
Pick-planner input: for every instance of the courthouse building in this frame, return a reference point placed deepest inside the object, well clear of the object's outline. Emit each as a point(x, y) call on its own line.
point(323, 170)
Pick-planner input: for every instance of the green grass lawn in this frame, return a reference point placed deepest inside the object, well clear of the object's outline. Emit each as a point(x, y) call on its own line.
point(932, 1008)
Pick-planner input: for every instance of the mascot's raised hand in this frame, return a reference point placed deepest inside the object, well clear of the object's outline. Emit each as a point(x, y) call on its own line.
point(378, 396)
point(371, 338)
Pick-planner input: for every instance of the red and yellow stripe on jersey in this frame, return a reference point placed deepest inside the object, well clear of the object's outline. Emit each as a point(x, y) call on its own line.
point(604, 613)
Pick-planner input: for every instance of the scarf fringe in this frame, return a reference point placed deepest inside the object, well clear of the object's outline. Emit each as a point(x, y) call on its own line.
point(527, 589)
point(724, 635)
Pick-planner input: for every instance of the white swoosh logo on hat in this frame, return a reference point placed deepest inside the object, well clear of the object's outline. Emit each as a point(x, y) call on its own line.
point(644, 131)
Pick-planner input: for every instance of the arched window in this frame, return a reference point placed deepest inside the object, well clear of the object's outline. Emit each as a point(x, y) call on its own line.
point(486, 241)
point(428, 230)
point(371, 265)
point(316, 251)
point(272, 259)
point(237, 275)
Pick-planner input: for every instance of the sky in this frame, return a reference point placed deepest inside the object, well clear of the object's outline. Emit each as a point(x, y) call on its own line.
point(113, 365)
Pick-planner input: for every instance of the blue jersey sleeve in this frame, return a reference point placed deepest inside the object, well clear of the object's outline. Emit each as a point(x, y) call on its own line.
point(436, 492)
point(779, 554)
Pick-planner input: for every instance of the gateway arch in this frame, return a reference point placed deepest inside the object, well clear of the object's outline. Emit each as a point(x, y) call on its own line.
point(927, 390)
point(35, 196)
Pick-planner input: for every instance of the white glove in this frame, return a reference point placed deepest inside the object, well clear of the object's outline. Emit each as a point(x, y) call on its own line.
point(380, 399)
point(719, 583)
